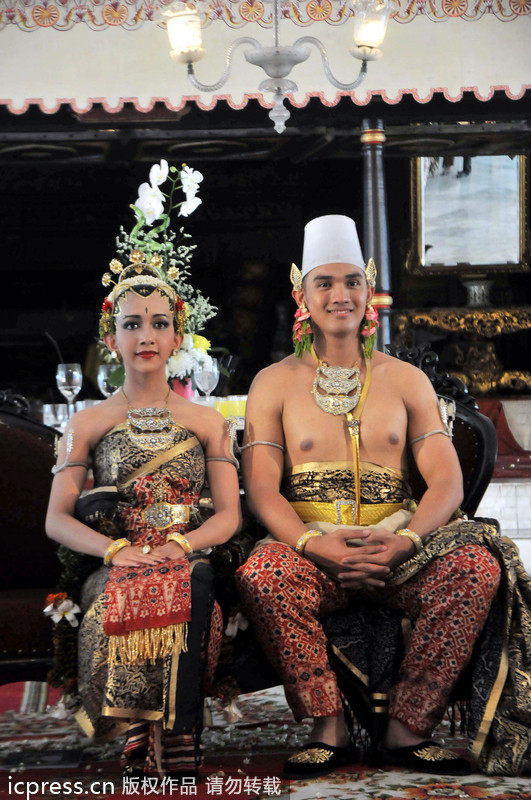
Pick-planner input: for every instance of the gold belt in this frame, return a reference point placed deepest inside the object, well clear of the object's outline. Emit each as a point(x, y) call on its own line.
point(343, 512)
point(164, 515)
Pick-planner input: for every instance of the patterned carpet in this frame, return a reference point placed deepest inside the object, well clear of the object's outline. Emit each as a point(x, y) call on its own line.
point(244, 760)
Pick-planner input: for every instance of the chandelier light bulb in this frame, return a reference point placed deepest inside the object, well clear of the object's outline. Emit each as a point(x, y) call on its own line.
point(370, 25)
point(184, 32)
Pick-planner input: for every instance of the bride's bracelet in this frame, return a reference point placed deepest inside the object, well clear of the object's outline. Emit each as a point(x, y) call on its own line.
point(113, 549)
point(182, 541)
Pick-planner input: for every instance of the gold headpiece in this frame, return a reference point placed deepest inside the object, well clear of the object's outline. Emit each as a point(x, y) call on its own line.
point(143, 279)
point(296, 277)
point(370, 273)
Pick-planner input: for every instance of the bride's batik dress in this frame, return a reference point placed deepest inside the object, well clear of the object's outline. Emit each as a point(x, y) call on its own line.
point(148, 634)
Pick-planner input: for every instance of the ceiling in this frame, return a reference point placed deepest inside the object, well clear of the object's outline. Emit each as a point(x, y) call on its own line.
point(439, 127)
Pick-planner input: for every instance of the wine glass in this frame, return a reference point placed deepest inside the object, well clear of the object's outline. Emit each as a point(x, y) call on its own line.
point(207, 376)
point(69, 379)
point(104, 373)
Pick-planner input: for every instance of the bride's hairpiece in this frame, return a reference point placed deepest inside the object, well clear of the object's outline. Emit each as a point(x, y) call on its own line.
point(156, 258)
point(143, 279)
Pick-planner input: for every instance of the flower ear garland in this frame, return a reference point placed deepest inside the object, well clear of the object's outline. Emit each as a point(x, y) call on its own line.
point(302, 332)
point(369, 326)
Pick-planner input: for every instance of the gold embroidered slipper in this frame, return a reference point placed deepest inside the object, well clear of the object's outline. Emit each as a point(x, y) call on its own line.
point(318, 758)
point(430, 757)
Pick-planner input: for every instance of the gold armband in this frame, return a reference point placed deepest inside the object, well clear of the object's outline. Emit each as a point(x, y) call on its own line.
point(303, 540)
point(182, 541)
point(415, 538)
point(113, 549)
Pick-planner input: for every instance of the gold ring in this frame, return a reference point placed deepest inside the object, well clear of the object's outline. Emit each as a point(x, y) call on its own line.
point(146, 549)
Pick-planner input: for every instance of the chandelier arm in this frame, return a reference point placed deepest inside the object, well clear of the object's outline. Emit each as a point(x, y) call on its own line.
point(326, 66)
point(228, 62)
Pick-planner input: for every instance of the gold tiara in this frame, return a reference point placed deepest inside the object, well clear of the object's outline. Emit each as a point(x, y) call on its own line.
point(142, 278)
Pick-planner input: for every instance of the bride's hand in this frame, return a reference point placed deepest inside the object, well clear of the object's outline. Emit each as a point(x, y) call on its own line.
point(170, 550)
point(134, 557)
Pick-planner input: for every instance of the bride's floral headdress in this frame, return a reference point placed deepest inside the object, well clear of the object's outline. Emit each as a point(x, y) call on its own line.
point(159, 258)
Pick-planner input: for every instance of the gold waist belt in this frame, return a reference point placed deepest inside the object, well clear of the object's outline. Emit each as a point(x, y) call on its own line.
point(343, 512)
point(164, 515)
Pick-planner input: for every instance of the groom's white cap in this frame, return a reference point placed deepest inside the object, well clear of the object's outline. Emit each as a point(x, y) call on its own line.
point(332, 239)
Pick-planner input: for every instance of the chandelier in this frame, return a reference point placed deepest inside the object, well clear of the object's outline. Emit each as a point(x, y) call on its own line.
point(184, 32)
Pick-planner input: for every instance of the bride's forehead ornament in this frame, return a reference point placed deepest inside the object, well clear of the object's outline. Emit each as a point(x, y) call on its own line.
point(331, 239)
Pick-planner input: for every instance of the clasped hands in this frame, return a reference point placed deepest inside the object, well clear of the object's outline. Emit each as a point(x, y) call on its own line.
point(134, 557)
point(358, 566)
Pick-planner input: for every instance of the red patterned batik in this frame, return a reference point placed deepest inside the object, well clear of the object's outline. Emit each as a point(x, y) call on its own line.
point(285, 595)
point(448, 601)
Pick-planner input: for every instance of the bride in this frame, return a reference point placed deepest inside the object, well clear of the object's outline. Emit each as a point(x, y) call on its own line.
point(144, 639)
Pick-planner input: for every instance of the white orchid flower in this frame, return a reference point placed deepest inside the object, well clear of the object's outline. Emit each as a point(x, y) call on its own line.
point(190, 179)
point(67, 609)
point(158, 173)
point(189, 206)
point(150, 201)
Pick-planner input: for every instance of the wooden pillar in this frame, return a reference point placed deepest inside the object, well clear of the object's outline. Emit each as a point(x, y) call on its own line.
point(375, 227)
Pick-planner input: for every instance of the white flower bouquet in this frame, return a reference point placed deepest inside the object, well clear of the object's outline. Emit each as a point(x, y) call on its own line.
point(193, 354)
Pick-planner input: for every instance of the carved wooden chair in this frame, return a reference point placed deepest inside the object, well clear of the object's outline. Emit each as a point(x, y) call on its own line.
point(474, 435)
point(29, 565)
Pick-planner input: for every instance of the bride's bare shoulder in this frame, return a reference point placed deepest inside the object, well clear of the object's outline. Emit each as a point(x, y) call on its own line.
point(94, 422)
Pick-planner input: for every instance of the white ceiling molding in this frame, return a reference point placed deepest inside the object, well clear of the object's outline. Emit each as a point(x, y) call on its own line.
point(114, 65)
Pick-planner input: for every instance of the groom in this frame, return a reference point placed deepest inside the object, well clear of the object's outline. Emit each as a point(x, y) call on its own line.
point(327, 431)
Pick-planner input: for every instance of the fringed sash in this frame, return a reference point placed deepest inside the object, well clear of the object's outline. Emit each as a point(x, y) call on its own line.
point(146, 611)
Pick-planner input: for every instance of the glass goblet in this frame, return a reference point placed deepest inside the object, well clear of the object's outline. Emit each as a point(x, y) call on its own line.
point(104, 373)
point(69, 379)
point(206, 376)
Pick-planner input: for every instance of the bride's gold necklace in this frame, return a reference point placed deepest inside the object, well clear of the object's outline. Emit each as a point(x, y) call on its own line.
point(150, 428)
point(332, 387)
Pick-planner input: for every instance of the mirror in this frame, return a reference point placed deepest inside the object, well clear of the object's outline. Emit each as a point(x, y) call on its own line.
point(469, 214)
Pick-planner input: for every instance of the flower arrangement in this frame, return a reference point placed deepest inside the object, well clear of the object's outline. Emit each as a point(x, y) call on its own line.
point(63, 610)
point(152, 236)
point(60, 607)
point(193, 353)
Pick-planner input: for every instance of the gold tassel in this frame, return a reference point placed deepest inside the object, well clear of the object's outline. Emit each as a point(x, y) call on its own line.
point(147, 645)
point(353, 425)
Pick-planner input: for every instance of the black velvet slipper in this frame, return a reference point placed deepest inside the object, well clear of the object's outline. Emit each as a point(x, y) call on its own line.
point(317, 758)
point(134, 770)
point(430, 757)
